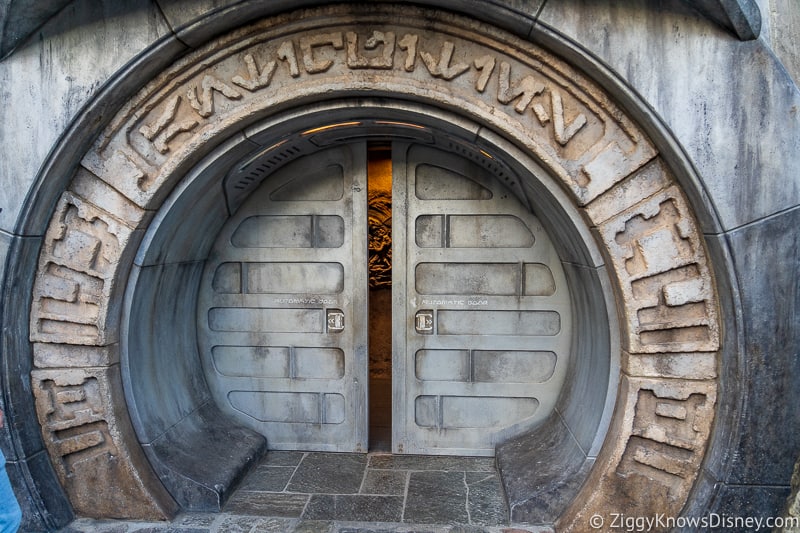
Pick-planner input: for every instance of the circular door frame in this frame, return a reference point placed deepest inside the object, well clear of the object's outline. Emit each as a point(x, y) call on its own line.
point(171, 257)
point(521, 97)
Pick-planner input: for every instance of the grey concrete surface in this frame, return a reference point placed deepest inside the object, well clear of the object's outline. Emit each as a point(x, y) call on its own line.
point(742, 103)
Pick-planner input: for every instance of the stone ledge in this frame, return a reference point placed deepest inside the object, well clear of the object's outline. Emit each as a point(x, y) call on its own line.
point(197, 462)
point(542, 472)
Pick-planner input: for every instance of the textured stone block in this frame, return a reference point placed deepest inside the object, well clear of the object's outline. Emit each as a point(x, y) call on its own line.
point(268, 504)
point(268, 479)
point(47, 355)
point(695, 365)
point(485, 502)
point(661, 431)
point(332, 473)
point(91, 445)
point(78, 269)
point(436, 497)
point(391, 482)
point(443, 463)
point(663, 275)
point(354, 508)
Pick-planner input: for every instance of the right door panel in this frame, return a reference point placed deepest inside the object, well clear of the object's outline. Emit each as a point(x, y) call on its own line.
point(482, 320)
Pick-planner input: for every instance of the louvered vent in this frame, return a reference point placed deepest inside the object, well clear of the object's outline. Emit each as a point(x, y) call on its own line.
point(246, 177)
point(257, 172)
point(485, 160)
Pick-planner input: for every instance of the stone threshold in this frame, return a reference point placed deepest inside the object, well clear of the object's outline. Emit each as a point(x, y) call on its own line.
point(300, 492)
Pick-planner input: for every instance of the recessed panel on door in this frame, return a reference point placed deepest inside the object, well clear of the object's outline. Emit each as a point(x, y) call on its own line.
point(282, 310)
point(482, 314)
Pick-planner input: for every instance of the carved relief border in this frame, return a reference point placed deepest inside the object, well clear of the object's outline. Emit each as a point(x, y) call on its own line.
point(645, 224)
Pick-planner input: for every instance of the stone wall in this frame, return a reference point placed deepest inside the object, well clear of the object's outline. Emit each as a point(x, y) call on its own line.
point(728, 108)
point(783, 26)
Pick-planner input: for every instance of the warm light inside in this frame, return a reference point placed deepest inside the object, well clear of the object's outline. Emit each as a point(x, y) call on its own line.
point(328, 127)
point(402, 124)
point(379, 189)
point(379, 172)
point(263, 152)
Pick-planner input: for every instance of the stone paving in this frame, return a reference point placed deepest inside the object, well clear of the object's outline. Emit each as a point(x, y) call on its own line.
point(301, 492)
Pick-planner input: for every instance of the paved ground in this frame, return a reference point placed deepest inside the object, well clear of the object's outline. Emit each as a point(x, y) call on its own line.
point(297, 492)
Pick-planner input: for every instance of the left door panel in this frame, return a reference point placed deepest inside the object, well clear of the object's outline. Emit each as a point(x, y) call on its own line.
point(282, 309)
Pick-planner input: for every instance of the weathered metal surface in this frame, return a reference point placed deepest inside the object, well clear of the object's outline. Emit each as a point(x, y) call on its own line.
point(283, 306)
point(483, 325)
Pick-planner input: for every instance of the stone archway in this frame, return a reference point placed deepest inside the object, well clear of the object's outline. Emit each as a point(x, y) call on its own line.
point(519, 98)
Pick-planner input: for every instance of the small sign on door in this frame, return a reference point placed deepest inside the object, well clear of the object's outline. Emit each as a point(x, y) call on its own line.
point(335, 320)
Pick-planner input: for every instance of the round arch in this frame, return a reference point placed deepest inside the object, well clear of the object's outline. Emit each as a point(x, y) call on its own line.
point(520, 101)
point(171, 258)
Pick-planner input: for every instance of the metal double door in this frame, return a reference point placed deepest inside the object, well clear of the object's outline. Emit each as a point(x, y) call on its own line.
point(480, 309)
